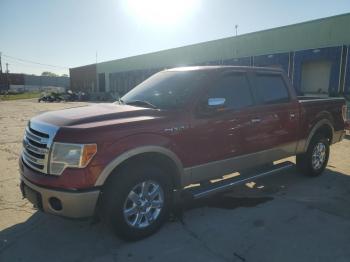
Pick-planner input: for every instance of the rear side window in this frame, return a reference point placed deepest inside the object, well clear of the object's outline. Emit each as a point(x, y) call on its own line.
point(271, 89)
point(235, 89)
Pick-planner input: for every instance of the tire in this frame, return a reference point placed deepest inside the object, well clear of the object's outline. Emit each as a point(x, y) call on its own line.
point(314, 161)
point(127, 210)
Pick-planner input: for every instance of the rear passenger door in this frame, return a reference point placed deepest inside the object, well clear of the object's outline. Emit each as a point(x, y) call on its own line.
point(276, 120)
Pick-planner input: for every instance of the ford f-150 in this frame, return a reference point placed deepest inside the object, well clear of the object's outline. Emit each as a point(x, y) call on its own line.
point(128, 161)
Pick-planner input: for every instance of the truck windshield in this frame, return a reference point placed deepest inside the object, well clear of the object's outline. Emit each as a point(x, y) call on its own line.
point(165, 90)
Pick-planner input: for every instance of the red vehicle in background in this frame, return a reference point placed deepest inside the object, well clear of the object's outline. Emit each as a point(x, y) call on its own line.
point(129, 161)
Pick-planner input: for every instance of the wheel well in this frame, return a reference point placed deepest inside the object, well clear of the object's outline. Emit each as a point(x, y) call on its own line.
point(326, 131)
point(156, 159)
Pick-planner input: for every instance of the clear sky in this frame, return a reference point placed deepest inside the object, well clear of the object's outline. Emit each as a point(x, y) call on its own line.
point(68, 33)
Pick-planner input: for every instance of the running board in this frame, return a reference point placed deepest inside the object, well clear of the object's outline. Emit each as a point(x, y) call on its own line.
point(226, 184)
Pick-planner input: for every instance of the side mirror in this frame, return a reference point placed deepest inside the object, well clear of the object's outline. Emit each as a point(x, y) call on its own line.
point(216, 102)
point(212, 106)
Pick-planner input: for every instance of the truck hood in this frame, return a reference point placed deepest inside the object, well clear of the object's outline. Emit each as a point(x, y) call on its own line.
point(90, 114)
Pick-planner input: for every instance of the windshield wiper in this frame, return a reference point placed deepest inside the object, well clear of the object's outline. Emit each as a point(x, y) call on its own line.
point(141, 103)
point(120, 101)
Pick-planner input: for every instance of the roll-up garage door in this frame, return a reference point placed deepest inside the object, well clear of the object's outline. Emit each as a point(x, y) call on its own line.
point(315, 77)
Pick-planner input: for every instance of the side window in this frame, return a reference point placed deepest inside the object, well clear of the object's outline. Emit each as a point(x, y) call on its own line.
point(271, 89)
point(235, 89)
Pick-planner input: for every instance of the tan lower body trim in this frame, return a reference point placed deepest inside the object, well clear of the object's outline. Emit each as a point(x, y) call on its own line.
point(74, 204)
point(303, 144)
point(220, 168)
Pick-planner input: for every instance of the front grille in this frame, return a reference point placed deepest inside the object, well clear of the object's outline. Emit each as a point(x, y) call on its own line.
point(36, 146)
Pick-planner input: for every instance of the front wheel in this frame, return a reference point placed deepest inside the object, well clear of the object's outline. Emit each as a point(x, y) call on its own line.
point(314, 161)
point(137, 201)
point(143, 204)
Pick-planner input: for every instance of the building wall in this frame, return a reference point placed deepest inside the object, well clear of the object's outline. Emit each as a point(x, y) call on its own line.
point(6, 80)
point(45, 81)
point(22, 82)
point(84, 78)
point(288, 47)
point(291, 62)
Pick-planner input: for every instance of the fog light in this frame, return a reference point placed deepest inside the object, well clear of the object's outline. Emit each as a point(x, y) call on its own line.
point(55, 203)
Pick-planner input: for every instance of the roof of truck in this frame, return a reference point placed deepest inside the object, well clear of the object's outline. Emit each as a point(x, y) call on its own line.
point(224, 68)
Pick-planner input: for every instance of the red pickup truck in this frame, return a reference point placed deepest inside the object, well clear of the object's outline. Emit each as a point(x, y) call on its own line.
point(129, 161)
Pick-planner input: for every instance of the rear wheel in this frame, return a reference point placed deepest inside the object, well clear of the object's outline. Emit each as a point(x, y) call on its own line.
point(314, 161)
point(136, 202)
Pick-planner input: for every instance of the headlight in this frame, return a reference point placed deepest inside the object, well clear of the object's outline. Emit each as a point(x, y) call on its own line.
point(70, 155)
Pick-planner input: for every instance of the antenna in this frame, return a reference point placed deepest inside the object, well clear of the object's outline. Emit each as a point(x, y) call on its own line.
point(236, 28)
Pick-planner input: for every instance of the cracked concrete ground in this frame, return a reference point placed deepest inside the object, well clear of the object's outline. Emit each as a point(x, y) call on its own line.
point(285, 217)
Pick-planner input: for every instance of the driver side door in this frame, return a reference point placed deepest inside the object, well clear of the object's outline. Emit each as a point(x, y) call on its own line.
point(219, 133)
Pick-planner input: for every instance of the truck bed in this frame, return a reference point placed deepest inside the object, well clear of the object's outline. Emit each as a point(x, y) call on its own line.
point(316, 99)
point(314, 108)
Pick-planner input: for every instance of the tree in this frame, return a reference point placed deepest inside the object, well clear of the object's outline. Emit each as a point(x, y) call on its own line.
point(65, 75)
point(47, 73)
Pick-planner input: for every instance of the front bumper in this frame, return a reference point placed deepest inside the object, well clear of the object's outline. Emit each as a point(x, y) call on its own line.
point(70, 204)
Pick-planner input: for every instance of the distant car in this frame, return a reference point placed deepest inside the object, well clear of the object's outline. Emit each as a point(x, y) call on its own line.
point(58, 97)
point(52, 97)
point(75, 96)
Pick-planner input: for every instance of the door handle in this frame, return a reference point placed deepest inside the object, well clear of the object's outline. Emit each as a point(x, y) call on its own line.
point(255, 120)
point(291, 115)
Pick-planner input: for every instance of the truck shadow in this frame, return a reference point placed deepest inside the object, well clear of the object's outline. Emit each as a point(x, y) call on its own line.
point(48, 238)
point(249, 195)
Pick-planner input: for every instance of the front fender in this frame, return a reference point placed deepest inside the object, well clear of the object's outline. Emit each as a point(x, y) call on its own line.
point(136, 145)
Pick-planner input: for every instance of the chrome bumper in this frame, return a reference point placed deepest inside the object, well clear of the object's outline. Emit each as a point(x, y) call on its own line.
point(73, 204)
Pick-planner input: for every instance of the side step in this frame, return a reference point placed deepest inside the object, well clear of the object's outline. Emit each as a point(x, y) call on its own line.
point(227, 184)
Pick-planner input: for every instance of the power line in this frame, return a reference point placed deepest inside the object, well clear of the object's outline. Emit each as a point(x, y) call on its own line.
point(33, 62)
point(27, 65)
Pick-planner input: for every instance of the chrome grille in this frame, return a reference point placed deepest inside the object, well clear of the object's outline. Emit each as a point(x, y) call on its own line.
point(36, 146)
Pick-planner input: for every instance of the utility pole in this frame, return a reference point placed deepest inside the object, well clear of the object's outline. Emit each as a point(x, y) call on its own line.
point(7, 76)
point(0, 64)
point(236, 28)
